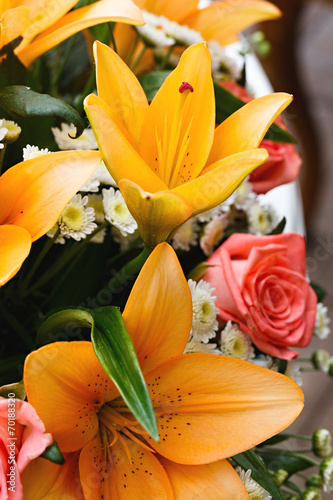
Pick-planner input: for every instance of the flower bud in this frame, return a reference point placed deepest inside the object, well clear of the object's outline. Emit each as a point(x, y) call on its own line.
point(326, 472)
point(314, 480)
point(280, 476)
point(321, 443)
point(13, 131)
point(312, 494)
point(330, 369)
point(320, 360)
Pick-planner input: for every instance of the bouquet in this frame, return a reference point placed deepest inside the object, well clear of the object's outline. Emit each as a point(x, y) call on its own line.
point(153, 308)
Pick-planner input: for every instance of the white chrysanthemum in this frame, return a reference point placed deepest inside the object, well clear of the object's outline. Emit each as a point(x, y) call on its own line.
point(99, 237)
point(3, 132)
point(326, 472)
point(236, 343)
point(186, 236)
point(255, 491)
point(13, 131)
point(222, 63)
point(125, 241)
point(77, 220)
point(243, 197)
point(100, 176)
point(64, 138)
point(33, 151)
point(322, 329)
point(219, 210)
point(261, 219)
point(195, 346)
point(213, 234)
point(266, 362)
point(181, 33)
point(52, 232)
point(153, 32)
point(116, 211)
point(204, 323)
point(293, 371)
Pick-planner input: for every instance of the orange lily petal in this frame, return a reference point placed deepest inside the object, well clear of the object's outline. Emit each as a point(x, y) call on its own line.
point(119, 155)
point(178, 129)
point(61, 376)
point(35, 192)
point(120, 89)
point(124, 479)
point(222, 21)
point(218, 181)
point(100, 12)
point(171, 9)
point(15, 244)
point(158, 313)
point(246, 128)
point(206, 404)
point(13, 23)
point(156, 214)
point(207, 482)
point(44, 479)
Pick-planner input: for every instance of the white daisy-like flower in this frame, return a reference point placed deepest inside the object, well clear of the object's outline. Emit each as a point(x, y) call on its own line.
point(116, 211)
point(125, 241)
point(100, 176)
point(222, 63)
point(321, 443)
point(326, 472)
point(99, 237)
point(77, 220)
point(195, 346)
point(261, 220)
point(186, 236)
point(181, 33)
point(244, 196)
point(255, 491)
point(52, 232)
point(153, 33)
point(213, 213)
point(266, 362)
point(33, 151)
point(13, 131)
point(236, 343)
point(64, 138)
point(293, 371)
point(321, 360)
point(213, 234)
point(322, 329)
point(3, 132)
point(204, 323)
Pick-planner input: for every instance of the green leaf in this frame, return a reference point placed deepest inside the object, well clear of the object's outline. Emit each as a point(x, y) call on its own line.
point(115, 351)
point(227, 103)
point(54, 454)
point(319, 291)
point(198, 271)
point(249, 460)
point(20, 101)
point(17, 389)
point(151, 82)
point(279, 438)
point(279, 459)
point(280, 227)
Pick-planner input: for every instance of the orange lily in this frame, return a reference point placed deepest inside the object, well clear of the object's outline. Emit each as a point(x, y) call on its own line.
point(168, 159)
point(33, 194)
point(207, 407)
point(45, 24)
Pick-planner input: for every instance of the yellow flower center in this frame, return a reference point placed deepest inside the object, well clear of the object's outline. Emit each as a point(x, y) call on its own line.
point(73, 217)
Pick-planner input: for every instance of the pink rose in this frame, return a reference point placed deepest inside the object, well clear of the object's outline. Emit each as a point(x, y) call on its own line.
point(283, 163)
point(27, 442)
point(260, 283)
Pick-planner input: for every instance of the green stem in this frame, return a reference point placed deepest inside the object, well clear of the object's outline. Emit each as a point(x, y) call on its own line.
point(89, 87)
point(293, 487)
point(304, 360)
point(289, 454)
point(48, 245)
point(11, 321)
point(309, 369)
point(138, 59)
point(135, 45)
point(65, 259)
point(129, 270)
point(166, 58)
point(297, 436)
point(61, 67)
point(111, 28)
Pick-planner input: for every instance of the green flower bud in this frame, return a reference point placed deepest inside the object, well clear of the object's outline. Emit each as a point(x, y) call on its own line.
point(330, 369)
point(326, 472)
point(314, 480)
point(280, 476)
point(321, 443)
point(312, 494)
point(13, 131)
point(320, 360)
